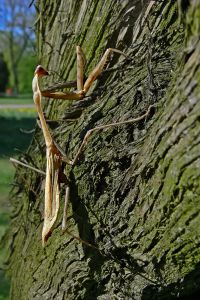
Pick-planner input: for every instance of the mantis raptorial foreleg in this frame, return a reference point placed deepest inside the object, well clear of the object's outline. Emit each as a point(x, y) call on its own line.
point(99, 68)
point(82, 88)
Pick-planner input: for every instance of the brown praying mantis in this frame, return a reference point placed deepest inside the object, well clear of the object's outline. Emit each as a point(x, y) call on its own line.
point(54, 157)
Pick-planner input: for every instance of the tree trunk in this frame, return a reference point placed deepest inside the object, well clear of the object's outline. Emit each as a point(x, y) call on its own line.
point(135, 190)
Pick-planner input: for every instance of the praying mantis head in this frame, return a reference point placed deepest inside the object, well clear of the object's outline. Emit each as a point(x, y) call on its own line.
point(40, 71)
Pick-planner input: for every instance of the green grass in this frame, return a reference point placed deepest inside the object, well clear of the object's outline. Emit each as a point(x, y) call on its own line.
point(18, 113)
point(6, 177)
point(12, 123)
point(4, 287)
point(16, 100)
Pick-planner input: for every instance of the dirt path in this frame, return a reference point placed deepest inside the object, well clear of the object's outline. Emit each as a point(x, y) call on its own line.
point(3, 106)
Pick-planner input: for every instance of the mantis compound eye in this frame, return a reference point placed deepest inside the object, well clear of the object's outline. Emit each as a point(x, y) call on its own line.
point(40, 71)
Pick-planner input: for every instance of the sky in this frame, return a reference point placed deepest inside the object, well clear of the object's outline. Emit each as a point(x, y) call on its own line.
point(9, 16)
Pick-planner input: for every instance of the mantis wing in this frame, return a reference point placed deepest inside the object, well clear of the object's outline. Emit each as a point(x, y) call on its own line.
point(52, 191)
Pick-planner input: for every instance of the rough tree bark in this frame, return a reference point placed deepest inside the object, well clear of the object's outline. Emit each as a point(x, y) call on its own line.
point(135, 191)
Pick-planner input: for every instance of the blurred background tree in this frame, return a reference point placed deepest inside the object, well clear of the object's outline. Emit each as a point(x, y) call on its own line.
point(17, 42)
point(4, 74)
point(17, 63)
